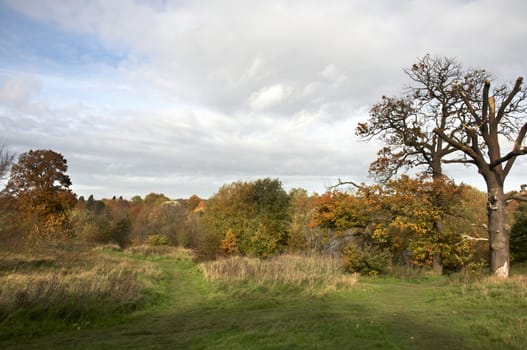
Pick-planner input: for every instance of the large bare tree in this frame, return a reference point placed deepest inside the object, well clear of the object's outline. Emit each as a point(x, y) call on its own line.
point(406, 124)
point(489, 124)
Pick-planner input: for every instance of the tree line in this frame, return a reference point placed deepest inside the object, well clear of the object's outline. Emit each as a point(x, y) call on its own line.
point(373, 227)
point(447, 114)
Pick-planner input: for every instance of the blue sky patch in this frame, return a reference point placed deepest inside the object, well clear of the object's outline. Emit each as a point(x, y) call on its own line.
point(27, 42)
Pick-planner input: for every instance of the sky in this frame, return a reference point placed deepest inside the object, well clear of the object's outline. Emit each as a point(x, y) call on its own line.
point(180, 97)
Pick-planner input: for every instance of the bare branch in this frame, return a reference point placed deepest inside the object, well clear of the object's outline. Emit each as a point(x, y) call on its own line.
point(470, 107)
point(342, 183)
point(458, 161)
point(470, 238)
point(510, 97)
point(516, 151)
point(458, 145)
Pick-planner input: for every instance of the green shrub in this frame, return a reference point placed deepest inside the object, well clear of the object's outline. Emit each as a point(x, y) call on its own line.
point(157, 240)
point(369, 260)
point(518, 243)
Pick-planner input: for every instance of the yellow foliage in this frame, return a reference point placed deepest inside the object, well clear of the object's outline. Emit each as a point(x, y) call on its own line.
point(228, 245)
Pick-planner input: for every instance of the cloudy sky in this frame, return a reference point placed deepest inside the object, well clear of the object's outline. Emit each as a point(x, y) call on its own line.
point(181, 96)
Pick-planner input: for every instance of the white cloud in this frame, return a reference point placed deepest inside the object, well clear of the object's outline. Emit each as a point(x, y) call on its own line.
point(19, 92)
point(269, 96)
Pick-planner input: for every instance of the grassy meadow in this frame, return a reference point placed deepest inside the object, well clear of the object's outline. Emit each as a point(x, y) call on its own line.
point(159, 298)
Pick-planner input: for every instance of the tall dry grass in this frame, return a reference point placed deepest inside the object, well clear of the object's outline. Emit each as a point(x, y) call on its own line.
point(313, 274)
point(90, 288)
point(160, 250)
point(491, 288)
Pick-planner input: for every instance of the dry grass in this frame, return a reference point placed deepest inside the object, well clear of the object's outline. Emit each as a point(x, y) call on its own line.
point(161, 250)
point(87, 288)
point(491, 288)
point(313, 274)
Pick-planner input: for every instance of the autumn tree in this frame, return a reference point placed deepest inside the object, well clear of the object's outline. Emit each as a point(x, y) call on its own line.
point(304, 236)
point(41, 187)
point(489, 124)
point(411, 207)
point(255, 214)
point(91, 221)
point(154, 199)
point(193, 202)
point(395, 222)
point(406, 124)
point(341, 211)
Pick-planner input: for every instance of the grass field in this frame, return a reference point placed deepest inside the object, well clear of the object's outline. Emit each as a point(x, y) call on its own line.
point(178, 304)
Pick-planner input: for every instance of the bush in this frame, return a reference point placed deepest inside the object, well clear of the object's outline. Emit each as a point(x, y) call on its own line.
point(369, 260)
point(157, 240)
point(518, 243)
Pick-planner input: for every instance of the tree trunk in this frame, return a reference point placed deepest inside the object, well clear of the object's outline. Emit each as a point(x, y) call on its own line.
point(437, 258)
point(437, 264)
point(499, 232)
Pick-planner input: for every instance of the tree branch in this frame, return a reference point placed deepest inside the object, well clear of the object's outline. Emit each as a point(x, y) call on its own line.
point(484, 110)
point(470, 238)
point(458, 161)
point(516, 150)
point(515, 90)
point(470, 108)
point(458, 145)
point(341, 183)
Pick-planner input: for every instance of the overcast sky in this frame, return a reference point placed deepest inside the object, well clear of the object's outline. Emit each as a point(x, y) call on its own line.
point(180, 97)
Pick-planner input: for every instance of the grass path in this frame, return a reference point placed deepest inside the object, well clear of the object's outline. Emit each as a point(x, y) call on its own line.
point(383, 314)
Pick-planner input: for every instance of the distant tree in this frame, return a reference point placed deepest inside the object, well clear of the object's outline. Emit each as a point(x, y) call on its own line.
point(155, 199)
point(120, 232)
point(6, 159)
point(41, 187)
point(254, 213)
point(193, 202)
point(231, 208)
point(272, 215)
point(136, 201)
point(97, 207)
point(303, 236)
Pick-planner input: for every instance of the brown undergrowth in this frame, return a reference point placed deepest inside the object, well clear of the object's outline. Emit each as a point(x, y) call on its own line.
point(314, 274)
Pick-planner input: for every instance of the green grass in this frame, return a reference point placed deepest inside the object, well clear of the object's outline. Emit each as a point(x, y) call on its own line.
point(385, 313)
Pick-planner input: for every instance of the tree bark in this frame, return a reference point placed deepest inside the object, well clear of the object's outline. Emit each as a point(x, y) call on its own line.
point(499, 231)
point(437, 264)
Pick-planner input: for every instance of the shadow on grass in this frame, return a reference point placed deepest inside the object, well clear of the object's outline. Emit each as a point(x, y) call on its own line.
point(263, 321)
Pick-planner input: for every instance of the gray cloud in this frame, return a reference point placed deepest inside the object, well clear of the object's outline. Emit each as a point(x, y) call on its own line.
point(206, 92)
